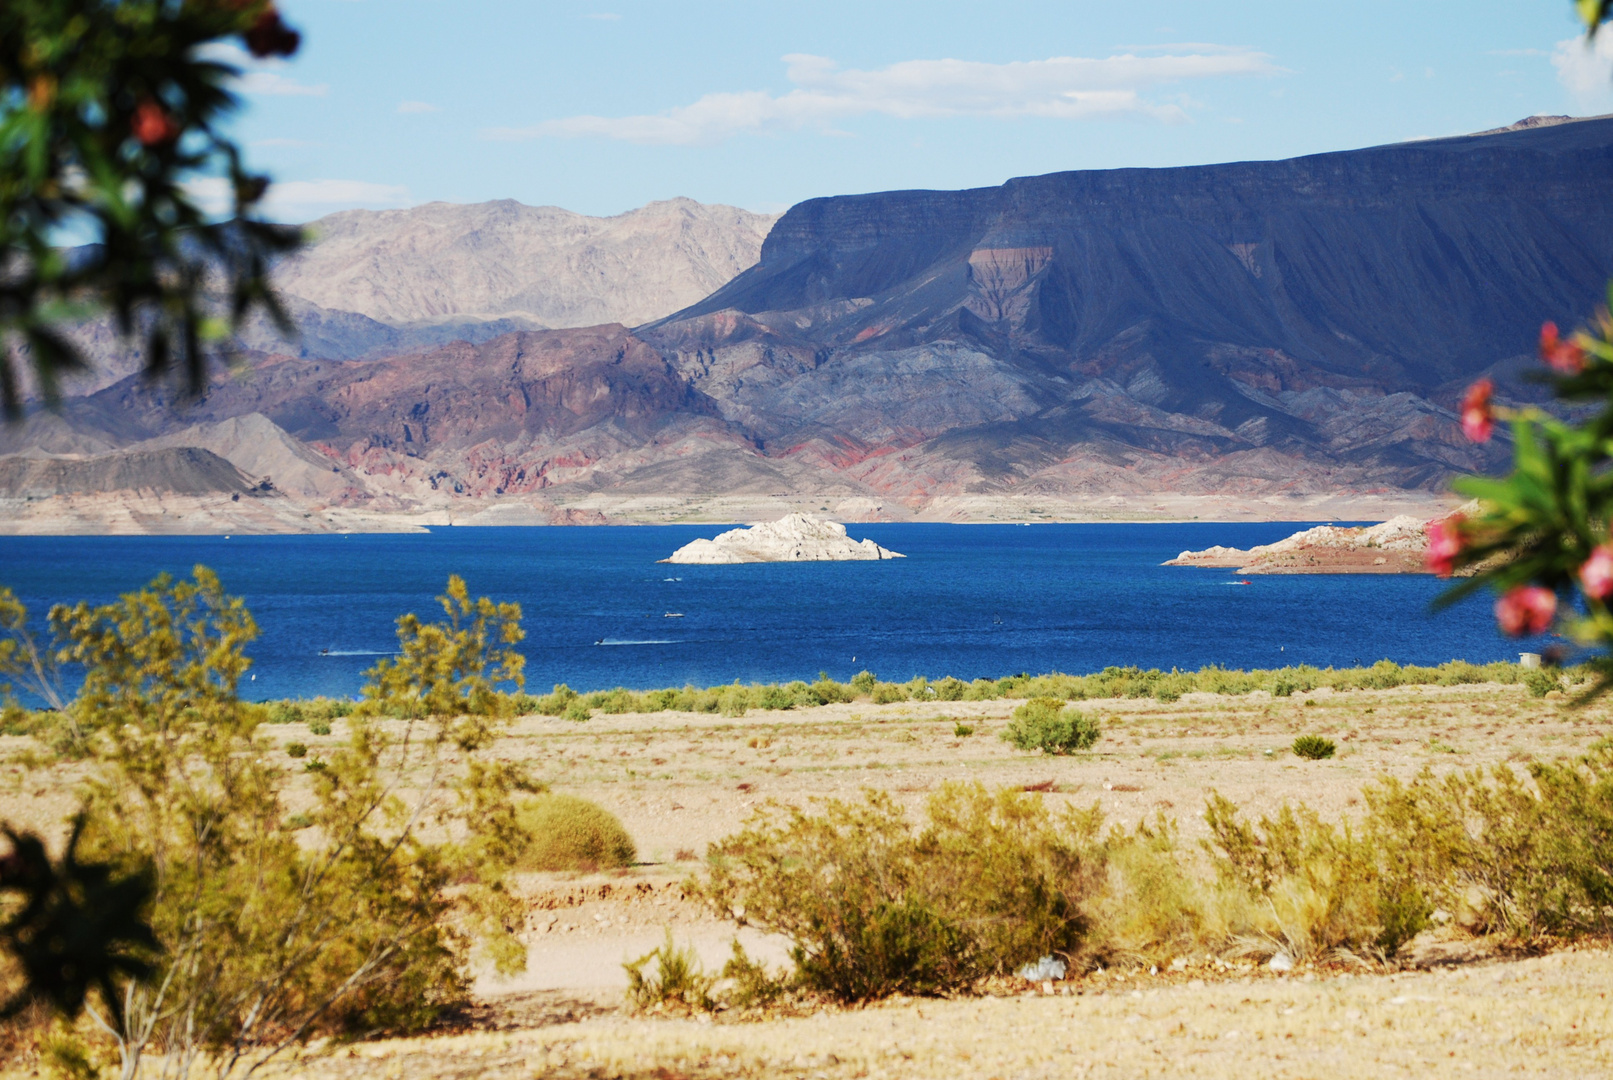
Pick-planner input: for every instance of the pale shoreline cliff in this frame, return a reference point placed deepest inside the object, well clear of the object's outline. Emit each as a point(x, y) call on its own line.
point(792, 538)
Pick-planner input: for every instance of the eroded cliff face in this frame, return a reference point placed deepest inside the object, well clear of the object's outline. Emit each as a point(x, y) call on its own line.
point(1297, 323)
point(1272, 339)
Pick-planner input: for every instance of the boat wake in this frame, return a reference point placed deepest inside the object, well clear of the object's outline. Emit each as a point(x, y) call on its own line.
point(656, 641)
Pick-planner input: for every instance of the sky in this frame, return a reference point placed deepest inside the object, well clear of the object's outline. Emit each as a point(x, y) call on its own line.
point(601, 106)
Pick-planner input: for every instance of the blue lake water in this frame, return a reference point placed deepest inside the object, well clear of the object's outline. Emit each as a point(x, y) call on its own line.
point(969, 601)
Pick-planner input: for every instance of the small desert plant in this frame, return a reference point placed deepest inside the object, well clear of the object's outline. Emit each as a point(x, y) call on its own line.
point(753, 984)
point(963, 731)
point(1314, 747)
point(319, 727)
point(1045, 724)
point(888, 693)
point(678, 980)
point(863, 682)
point(556, 703)
point(1542, 681)
point(296, 749)
point(570, 833)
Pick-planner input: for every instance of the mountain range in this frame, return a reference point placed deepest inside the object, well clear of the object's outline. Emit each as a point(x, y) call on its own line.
point(1280, 339)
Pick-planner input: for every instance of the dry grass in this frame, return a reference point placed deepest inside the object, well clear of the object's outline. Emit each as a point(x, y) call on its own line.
point(1545, 1017)
point(679, 781)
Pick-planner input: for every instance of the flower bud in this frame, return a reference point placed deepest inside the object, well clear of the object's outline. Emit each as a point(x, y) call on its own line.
point(1596, 574)
point(1444, 544)
point(1566, 357)
point(152, 125)
point(1525, 610)
point(1478, 416)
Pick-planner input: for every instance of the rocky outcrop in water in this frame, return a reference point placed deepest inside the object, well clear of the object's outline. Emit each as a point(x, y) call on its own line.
point(792, 538)
point(1397, 546)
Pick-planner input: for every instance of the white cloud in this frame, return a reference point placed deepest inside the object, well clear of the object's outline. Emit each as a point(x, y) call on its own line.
point(258, 76)
point(303, 200)
point(417, 107)
point(1064, 87)
point(271, 82)
point(1585, 68)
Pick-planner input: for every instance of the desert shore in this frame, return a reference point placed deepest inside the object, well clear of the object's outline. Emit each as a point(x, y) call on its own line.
point(1456, 1006)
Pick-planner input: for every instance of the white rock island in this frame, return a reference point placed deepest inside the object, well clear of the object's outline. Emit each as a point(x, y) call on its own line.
point(792, 538)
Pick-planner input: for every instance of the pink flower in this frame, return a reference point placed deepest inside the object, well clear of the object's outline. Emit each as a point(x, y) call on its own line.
point(1525, 610)
point(152, 125)
point(1596, 576)
point(1563, 356)
point(1477, 417)
point(1444, 544)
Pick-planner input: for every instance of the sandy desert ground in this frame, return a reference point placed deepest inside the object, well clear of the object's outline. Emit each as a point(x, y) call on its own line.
point(679, 781)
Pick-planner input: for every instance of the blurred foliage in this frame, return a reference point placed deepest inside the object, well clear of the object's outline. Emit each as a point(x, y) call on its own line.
point(360, 913)
point(76, 926)
point(111, 129)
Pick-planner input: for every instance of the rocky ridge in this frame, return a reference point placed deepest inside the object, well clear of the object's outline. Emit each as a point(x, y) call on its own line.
point(1254, 340)
point(792, 538)
point(1396, 546)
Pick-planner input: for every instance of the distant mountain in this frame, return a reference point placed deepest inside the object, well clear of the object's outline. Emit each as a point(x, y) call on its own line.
point(378, 283)
point(447, 263)
point(1265, 339)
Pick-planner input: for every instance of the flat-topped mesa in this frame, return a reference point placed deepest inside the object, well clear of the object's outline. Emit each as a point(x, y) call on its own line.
point(792, 538)
point(1397, 546)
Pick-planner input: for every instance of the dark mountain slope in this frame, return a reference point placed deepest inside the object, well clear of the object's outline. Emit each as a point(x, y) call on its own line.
point(1242, 332)
point(1330, 308)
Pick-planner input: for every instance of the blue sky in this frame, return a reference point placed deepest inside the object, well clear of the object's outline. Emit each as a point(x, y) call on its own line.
point(603, 106)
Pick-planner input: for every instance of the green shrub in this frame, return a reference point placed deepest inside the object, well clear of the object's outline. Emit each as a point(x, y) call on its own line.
point(1314, 747)
point(828, 692)
point(285, 712)
point(773, 696)
point(1282, 686)
point(578, 711)
point(963, 731)
point(950, 689)
point(678, 979)
point(863, 682)
point(319, 727)
point(570, 833)
point(875, 906)
point(888, 693)
point(1045, 724)
point(556, 703)
point(735, 701)
point(296, 749)
point(1542, 681)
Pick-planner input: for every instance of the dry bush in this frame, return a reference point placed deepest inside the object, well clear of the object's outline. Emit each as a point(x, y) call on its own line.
point(1321, 887)
point(267, 940)
point(570, 833)
point(876, 906)
point(1503, 856)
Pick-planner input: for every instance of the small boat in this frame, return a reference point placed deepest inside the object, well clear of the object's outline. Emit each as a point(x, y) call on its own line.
point(673, 615)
